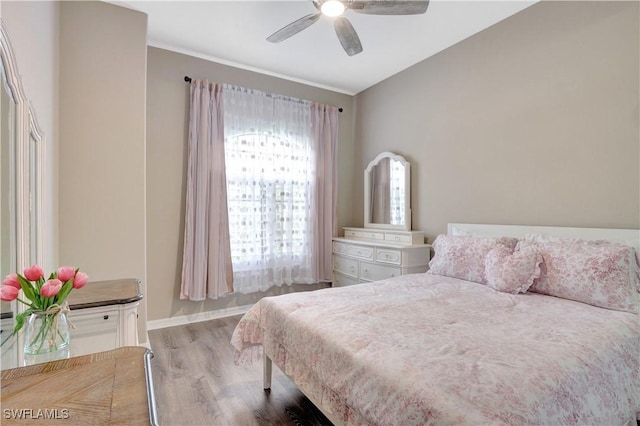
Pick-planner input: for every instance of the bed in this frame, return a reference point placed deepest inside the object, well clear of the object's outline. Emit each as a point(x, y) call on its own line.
point(438, 349)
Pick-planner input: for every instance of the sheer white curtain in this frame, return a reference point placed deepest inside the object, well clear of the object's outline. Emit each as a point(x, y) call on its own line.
point(271, 149)
point(206, 268)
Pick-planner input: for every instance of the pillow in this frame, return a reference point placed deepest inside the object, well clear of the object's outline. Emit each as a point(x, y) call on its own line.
point(600, 273)
point(512, 272)
point(462, 256)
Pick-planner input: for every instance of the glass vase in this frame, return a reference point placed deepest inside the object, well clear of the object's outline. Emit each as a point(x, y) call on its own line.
point(46, 333)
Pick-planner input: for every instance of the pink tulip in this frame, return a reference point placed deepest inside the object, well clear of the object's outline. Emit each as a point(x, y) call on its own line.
point(34, 273)
point(8, 293)
point(51, 288)
point(65, 273)
point(12, 280)
point(80, 280)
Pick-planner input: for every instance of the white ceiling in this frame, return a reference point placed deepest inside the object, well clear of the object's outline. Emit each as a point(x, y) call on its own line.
point(234, 33)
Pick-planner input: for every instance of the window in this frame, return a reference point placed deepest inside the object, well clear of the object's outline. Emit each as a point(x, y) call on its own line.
point(270, 180)
point(257, 213)
point(268, 194)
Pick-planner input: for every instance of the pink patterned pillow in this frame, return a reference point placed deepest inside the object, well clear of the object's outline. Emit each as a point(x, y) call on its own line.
point(462, 256)
point(512, 272)
point(600, 273)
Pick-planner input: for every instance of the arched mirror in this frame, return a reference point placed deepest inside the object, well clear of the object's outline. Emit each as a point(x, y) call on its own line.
point(21, 154)
point(387, 191)
point(7, 205)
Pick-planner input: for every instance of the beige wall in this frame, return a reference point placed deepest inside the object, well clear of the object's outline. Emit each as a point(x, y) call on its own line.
point(34, 30)
point(167, 113)
point(102, 141)
point(532, 121)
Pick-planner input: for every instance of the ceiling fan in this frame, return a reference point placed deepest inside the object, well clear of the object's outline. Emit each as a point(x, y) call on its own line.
point(345, 31)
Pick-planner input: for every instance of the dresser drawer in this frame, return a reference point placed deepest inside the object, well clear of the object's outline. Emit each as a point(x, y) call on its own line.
point(374, 272)
point(340, 280)
point(369, 235)
point(398, 238)
point(340, 248)
point(385, 255)
point(346, 266)
point(94, 332)
point(362, 252)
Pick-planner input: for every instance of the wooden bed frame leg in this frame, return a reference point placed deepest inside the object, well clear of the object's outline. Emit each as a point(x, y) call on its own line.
point(267, 373)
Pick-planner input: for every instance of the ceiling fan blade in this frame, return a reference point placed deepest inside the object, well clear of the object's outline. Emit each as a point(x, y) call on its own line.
point(389, 7)
point(347, 36)
point(293, 28)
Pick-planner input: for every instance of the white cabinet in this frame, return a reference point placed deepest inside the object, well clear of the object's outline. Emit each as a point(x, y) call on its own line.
point(8, 351)
point(366, 254)
point(105, 316)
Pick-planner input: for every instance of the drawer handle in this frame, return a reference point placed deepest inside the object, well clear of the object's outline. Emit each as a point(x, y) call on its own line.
point(106, 317)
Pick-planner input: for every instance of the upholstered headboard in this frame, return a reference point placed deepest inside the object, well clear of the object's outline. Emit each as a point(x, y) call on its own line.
point(626, 236)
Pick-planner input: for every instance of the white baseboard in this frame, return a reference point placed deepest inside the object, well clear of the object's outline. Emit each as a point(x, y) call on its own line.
point(199, 317)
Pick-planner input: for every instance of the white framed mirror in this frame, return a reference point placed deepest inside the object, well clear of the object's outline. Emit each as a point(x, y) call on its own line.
point(21, 184)
point(35, 190)
point(387, 192)
point(7, 205)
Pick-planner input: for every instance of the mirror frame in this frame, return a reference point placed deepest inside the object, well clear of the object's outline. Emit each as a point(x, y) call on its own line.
point(407, 193)
point(28, 136)
point(20, 149)
point(36, 141)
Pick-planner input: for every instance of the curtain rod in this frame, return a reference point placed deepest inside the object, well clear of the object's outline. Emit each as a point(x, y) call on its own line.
point(188, 80)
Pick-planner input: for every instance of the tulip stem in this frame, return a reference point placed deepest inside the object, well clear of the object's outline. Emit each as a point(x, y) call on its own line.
point(23, 302)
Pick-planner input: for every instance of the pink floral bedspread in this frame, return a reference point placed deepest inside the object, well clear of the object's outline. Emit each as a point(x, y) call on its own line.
point(427, 349)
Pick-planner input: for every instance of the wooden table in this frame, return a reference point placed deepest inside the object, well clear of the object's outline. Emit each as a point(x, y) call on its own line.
point(106, 388)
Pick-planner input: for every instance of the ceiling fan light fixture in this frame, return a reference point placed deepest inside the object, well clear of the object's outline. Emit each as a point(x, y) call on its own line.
point(347, 35)
point(332, 8)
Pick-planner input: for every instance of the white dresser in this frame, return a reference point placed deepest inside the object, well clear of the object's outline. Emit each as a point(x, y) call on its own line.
point(366, 254)
point(105, 315)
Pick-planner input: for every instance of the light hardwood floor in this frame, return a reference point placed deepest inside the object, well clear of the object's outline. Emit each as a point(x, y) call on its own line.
point(197, 383)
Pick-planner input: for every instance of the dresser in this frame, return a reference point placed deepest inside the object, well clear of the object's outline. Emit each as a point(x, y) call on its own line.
point(105, 316)
point(367, 254)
